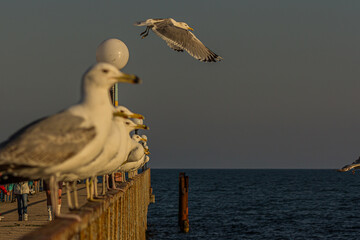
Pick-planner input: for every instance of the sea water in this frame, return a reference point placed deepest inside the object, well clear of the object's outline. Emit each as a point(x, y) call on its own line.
point(258, 204)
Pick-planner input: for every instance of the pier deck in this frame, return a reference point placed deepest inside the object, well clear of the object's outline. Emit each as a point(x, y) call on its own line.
point(99, 220)
point(11, 228)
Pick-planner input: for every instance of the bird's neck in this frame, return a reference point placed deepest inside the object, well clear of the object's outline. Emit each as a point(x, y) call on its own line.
point(179, 25)
point(133, 144)
point(173, 21)
point(96, 97)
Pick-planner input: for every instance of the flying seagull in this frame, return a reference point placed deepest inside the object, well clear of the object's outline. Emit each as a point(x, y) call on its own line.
point(354, 165)
point(177, 36)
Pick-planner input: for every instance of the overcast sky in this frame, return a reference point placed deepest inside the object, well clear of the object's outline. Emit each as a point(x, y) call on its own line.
point(286, 94)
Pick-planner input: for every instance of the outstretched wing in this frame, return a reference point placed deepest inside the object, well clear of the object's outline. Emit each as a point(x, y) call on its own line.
point(183, 39)
point(349, 167)
point(175, 47)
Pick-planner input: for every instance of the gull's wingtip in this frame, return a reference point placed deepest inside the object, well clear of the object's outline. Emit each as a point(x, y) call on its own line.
point(211, 58)
point(347, 168)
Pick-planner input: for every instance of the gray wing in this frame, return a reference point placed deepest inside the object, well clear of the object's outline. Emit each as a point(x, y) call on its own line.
point(354, 165)
point(184, 39)
point(134, 154)
point(46, 142)
point(349, 167)
point(175, 47)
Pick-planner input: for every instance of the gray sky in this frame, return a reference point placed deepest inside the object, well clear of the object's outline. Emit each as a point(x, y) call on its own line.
point(286, 94)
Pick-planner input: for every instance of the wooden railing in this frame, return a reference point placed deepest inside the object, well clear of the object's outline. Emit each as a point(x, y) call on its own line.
point(122, 214)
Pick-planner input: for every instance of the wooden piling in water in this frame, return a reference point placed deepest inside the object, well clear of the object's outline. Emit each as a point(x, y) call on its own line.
point(183, 203)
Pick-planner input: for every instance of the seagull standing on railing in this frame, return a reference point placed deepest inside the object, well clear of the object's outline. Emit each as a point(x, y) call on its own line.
point(144, 143)
point(136, 156)
point(138, 151)
point(134, 166)
point(56, 145)
point(147, 152)
point(125, 127)
point(110, 150)
point(177, 36)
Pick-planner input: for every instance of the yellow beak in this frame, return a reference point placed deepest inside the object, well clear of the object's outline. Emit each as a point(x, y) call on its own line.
point(124, 115)
point(120, 114)
point(136, 115)
point(190, 28)
point(128, 78)
point(142, 126)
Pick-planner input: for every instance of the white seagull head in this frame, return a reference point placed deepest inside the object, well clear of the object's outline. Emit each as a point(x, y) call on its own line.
point(184, 26)
point(104, 75)
point(144, 137)
point(130, 125)
point(124, 112)
point(137, 138)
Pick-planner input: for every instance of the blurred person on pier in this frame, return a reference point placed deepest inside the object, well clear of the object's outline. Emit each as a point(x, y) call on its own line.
point(3, 189)
point(21, 190)
point(48, 198)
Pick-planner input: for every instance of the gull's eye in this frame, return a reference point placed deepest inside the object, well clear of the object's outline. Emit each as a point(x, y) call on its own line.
point(127, 123)
point(122, 111)
point(105, 71)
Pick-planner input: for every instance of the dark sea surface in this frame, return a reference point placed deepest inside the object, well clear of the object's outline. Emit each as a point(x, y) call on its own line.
point(258, 204)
